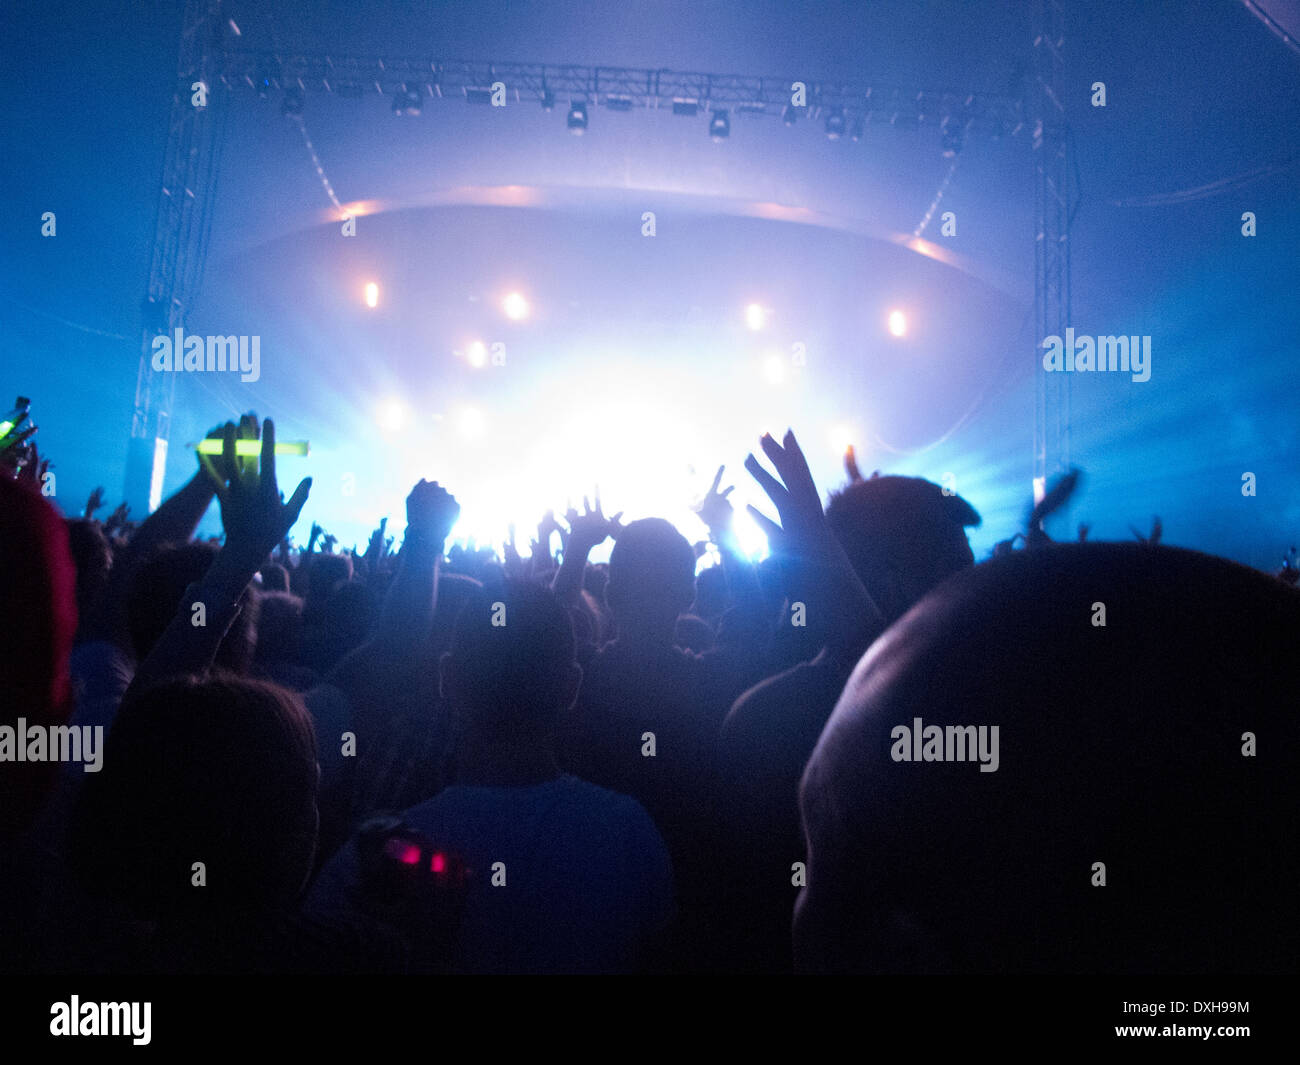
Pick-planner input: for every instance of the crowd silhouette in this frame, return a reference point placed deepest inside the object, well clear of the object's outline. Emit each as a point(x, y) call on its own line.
point(428, 758)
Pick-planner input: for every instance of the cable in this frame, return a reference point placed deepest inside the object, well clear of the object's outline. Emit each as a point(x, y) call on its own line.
point(69, 324)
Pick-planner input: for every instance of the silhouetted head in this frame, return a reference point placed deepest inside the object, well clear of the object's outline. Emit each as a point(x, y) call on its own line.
point(511, 670)
point(903, 536)
point(219, 771)
point(692, 633)
point(38, 590)
point(1128, 686)
point(279, 628)
point(710, 593)
point(275, 578)
point(651, 577)
point(327, 572)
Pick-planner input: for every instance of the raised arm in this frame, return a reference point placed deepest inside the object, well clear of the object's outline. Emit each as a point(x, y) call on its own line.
point(805, 536)
point(255, 519)
point(173, 522)
point(586, 530)
point(407, 615)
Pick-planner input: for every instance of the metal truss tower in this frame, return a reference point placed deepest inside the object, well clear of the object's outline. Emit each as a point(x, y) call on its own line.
point(180, 240)
point(1053, 214)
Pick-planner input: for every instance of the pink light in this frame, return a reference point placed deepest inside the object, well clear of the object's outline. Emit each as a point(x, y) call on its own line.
point(406, 853)
point(439, 863)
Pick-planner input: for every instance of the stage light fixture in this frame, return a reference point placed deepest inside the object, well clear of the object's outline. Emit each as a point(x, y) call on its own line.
point(618, 103)
point(478, 354)
point(372, 295)
point(577, 120)
point(292, 102)
point(407, 101)
point(686, 108)
point(755, 316)
point(720, 126)
point(789, 116)
point(897, 323)
point(835, 125)
point(515, 306)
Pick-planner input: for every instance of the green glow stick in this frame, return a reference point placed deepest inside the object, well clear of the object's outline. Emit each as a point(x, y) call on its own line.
point(251, 449)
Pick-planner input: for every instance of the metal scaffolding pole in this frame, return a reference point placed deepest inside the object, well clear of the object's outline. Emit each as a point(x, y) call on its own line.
point(179, 245)
point(1053, 212)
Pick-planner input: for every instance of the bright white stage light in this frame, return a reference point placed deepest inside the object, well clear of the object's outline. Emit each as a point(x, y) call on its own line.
point(774, 370)
point(755, 316)
point(372, 295)
point(515, 306)
point(840, 437)
point(897, 323)
point(478, 354)
point(471, 422)
point(392, 416)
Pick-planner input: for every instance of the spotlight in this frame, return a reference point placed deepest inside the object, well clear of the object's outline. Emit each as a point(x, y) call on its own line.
point(292, 103)
point(857, 129)
point(789, 116)
point(720, 126)
point(478, 354)
point(686, 108)
point(755, 316)
point(840, 437)
point(835, 125)
point(407, 101)
point(577, 120)
point(548, 100)
point(372, 295)
point(515, 306)
point(897, 323)
point(392, 416)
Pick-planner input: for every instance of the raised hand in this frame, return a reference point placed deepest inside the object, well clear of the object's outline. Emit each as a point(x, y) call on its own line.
point(590, 528)
point(375, 546)
point(117, 520)
point(851, 465)
point(431, 511)
point(93, 503)
point(715, 509)
point(34, 468)
point(254, 517)
point(218, 467)
point(794, 495)
point(545, 527)
point(805, 535)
